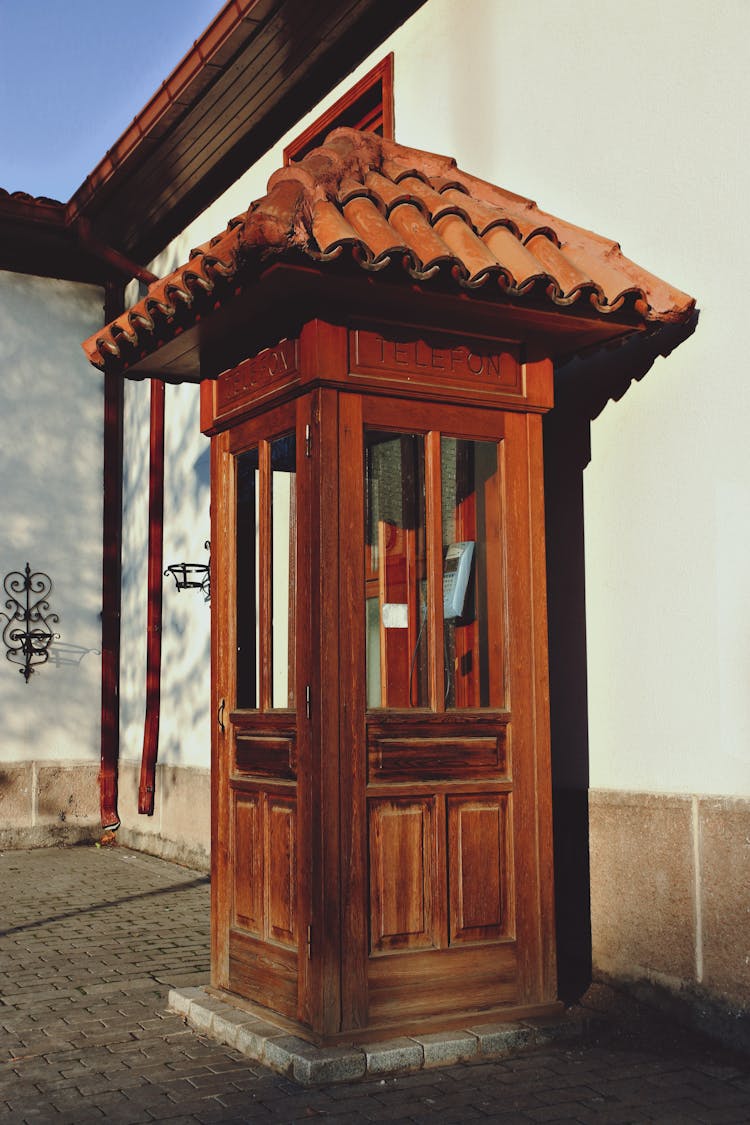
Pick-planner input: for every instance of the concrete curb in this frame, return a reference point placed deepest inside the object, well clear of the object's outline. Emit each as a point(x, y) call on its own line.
point(309, 1065)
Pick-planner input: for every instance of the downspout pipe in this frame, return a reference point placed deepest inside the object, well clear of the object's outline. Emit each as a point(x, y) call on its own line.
point(155, 578)
point(114, 304)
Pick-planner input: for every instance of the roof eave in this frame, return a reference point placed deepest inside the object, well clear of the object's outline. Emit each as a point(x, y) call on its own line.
point(285, 296)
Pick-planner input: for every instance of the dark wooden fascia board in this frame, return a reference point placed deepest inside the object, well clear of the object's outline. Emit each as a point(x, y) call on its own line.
point(48, 252)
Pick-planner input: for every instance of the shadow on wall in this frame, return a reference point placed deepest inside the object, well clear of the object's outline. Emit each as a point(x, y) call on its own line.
point(50, 466)
point(186, 655)
point(583, 387)
point(134, 568)
point(184, 734)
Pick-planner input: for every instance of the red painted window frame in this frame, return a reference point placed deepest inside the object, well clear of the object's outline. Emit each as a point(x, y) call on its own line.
point(367, 106)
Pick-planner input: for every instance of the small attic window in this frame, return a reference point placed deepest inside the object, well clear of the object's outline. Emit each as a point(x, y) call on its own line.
point(367, 106)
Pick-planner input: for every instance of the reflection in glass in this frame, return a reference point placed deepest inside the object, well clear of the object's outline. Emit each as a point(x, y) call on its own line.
point(471, 535)
point(248, 640)
point(395, 570)
point(283, 569)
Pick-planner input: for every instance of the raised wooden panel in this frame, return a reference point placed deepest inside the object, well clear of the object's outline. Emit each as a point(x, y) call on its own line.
point(436, 758)
point(441, 981)
point(248, 863)
point(478, 868)
point(263, 972)
point(402, 866)
point(281, 868)
point(264, 756)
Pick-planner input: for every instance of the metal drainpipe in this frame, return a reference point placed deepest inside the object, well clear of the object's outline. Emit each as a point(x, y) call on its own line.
point(111, 577)
point(155, 579)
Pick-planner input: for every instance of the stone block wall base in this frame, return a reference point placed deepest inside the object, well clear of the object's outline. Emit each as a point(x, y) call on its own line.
point(180, 828)
point(184, 852)
point(48, 804)
point(670, 913)
point(309, 1065)
point(48, 836)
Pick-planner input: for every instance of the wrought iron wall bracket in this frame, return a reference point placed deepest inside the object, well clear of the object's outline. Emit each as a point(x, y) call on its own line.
point(193, 576)
point(28, 632)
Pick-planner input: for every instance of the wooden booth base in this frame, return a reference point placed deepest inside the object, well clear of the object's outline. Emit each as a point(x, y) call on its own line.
point(425, 1025)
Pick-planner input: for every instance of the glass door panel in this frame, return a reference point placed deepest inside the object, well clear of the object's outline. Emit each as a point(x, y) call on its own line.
point(395, 570)
point(266, 550)
point(472, 554)
point(283, 569)
point(433, 496)
point(248, 585)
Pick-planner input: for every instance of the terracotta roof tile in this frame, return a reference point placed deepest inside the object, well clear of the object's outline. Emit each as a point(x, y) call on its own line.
point(386, 204)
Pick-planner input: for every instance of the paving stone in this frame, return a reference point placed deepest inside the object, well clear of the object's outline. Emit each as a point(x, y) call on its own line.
point(332, 1064)
point(225, 1026)
point(441, 1049)
point(393, 1055)
point(501, 1038)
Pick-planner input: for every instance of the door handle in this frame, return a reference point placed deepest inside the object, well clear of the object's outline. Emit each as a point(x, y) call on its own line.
point(220, 716)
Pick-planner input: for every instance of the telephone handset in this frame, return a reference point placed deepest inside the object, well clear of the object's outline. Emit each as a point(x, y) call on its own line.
point(456, 572)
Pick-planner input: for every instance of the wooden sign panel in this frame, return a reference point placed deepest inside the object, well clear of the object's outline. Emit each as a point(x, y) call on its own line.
point(439, 363)
point(258, 378)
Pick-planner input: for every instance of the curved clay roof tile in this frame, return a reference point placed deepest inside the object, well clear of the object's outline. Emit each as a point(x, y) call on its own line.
point(470, 251)
point(518, 263)
point(568, 279)
point(330, 229)
point(390, 194)
point(482, 215)
point(375, 234)
point(612, 282)
point(428, 248)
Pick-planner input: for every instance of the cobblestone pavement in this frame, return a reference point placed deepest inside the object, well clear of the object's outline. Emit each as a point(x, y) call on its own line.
point(92, 938)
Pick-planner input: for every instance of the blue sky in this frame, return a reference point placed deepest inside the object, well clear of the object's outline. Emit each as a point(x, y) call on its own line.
point(74, 73)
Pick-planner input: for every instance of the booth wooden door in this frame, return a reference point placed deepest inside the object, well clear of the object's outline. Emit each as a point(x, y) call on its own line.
point(260, 602)
point(446, 874)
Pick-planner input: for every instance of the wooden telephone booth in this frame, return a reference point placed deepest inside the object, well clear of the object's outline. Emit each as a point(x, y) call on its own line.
point(381, 769)
point(375, 342)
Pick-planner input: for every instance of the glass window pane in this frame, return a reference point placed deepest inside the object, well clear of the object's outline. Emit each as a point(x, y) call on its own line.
point(395, 570)
point(248, 637)
point(472, 587)
point(283, 569)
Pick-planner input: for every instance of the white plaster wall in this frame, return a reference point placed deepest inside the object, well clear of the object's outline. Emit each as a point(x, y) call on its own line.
point(51, 414)
point(623, 119)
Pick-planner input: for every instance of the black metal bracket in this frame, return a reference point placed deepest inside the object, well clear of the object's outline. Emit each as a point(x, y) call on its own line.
point(28, 632)
point(193, 576)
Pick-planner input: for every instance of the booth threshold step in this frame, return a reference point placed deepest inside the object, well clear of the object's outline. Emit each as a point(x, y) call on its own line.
point(309, 1065)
